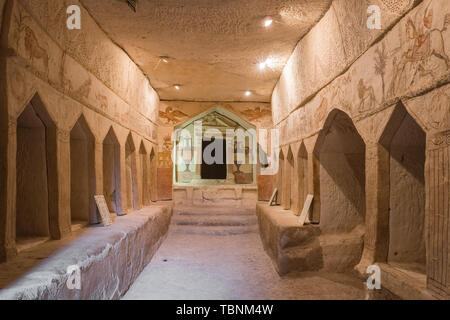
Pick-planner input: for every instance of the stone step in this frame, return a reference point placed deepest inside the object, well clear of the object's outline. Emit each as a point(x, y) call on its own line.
point(202, 211)
point(214, 220)
point(214, 230)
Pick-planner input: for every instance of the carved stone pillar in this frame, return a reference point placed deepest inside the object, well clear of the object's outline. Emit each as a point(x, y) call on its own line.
point(8, 225)
point(376, 242)
point(98, 175)
point(123, 179)
point(437, 184)
point(139, 178)
point(313, 173)
point(60, 221)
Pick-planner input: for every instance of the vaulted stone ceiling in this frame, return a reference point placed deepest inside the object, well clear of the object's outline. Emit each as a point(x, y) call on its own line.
point(214, 46)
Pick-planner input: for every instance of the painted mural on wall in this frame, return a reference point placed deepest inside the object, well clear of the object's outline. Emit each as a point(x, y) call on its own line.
point(423, 52)
point(172, 116)
point(74, 64)
point(413, 57)
point(174, 113)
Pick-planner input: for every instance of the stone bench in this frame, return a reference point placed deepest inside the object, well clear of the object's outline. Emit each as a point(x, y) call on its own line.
point(295, 248)
point(110, 259)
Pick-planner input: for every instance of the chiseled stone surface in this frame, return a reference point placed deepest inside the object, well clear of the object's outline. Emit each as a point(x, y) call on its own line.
point(232, 267)
point(306, 248)
point(110, 259)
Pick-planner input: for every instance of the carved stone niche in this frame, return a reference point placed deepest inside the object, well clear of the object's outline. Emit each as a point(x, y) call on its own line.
point(200, 135)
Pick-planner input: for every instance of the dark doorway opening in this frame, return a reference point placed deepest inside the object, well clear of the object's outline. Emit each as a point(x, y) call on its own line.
point(214, 165)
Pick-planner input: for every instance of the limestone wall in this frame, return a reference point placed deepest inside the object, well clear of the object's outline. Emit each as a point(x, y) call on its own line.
point(70, 73)
point(371, 83)
point(329, 49)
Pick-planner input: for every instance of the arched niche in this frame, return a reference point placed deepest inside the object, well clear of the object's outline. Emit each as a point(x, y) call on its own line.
point(82, 174)
point(144, 173)
point(131, 174)
point(405, 143)
point(302, 174)
point(291, 197)
point(214, 133)
point(111, 172)
point(341, 154)
point(36, 176)
point(280, 178)
point(153, 170)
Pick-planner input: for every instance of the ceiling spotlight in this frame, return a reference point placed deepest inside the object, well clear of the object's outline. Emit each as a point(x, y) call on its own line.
point(268, 22)
point(177, 87)
point(248, 93)
point(262, 65)
point(165, 59)
point(268, 63)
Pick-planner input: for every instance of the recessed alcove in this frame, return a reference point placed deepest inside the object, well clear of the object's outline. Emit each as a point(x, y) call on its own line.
point(82, 174)
point(111, 172)
point(341, 153)
point(131, 174)
point(280, 176)
point(291, 192)
point(405, 142)
point(144, 164)
point(302, 173)
point(35, 175)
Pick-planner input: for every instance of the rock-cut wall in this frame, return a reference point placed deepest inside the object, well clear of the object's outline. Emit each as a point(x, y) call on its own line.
point(375, 79)
point(75, 76)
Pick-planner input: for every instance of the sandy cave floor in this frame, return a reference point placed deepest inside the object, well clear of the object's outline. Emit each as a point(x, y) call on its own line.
point(232, 267)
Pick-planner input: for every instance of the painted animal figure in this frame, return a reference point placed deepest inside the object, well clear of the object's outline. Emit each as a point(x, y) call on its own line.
point(34, 50)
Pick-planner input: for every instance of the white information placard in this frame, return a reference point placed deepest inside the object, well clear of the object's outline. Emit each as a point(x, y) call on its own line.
point(104, 211)
point(273, 197)
point(306, 208)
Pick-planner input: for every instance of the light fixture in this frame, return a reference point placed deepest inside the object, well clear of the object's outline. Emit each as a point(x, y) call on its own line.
point(262, 65)
point(268, 22)
point(268, 63)
point(164, 59)
point(177, 87)
point(248, 93)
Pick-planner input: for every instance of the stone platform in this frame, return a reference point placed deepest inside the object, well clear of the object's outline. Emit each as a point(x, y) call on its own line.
point(232, 196)
point(294, 248)
point(110, 259)
point(216, 220)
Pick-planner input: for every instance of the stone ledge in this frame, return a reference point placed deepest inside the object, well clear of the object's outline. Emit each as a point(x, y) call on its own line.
point(110, 259)
point(236, 196)
point(294, 248)
point(403, 284)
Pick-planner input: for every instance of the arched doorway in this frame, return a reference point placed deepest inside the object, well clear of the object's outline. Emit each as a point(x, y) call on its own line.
point(82, 174)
